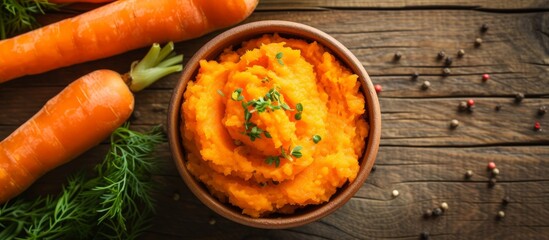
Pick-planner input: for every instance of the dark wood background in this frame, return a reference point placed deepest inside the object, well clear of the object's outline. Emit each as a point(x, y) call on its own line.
point(420, 156)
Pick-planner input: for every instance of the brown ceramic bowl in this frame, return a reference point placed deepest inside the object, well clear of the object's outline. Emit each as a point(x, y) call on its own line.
point(234, 37)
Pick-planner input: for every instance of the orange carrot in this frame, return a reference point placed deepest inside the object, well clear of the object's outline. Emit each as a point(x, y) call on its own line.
point(82, 1)
point(113, 29)
point(76, 119)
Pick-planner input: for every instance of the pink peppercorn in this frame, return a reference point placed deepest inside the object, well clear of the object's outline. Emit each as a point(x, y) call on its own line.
point(378, 88)
point(470, 102)
point(485, 77)
point(491, 165)
point(537, 126)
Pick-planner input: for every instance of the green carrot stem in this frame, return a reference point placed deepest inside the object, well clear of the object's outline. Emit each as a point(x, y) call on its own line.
point(158, 63)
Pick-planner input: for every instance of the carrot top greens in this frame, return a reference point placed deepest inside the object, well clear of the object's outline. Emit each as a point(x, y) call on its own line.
point(17, 16)
point(117, 203)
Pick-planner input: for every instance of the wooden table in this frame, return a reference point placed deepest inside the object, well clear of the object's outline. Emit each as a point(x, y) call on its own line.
point(420, 155)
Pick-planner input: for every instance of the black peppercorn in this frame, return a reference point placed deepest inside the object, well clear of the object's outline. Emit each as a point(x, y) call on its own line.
point(441, 55)
point(446, 71)
point(448, 61)
point(425, 236)
point(498, 107)
point(506, 200)
point(492, 182)
point(374, 167)
point(462, 106)
point(415, 76)
point(469, 174)
point(478, 42)
point(398, 55)
point(461, 53)
point(542, 110)
point(484, 27)
point(519, 97)
point(437, 212)
point(428, 213)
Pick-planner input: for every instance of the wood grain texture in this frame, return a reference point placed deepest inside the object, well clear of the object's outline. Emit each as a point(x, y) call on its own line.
point(350, 4)
point(420, 156)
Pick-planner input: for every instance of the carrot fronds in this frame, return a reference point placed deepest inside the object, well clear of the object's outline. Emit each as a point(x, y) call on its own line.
point(158, 63)
point(18, 16)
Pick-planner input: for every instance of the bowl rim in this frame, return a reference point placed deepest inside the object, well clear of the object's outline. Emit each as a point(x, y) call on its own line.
point(249, 31)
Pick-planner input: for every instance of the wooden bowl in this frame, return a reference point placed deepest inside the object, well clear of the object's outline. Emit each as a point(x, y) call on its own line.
point(234, 37)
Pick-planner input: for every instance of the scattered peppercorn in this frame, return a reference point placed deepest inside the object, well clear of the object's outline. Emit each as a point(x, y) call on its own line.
point(478, 42)
point(437, 212)
point(424, 236)
point(470, 103)
point(506, 200)
point(441, 55)
point(495, 172)
point(395, 193)
point(444, 206)
point(542, 110)
point(427, 213)
point(374, 167)
point(448, 61)
point(176, 196)
point(468, 174)
point(446, 71)
point(519, 97)
point(484, 27)
point(135, 115)
point(211, 221)
point(491, 166)
point(492, 182)
point(454, 123)
point(537, 126)
point(415, 76)
point(398, 55)
point(485, 77)
point(501, 214)
point(462, 106)
point(498, 107)
point(461, 53)
point(378, 88)
point(426, 85)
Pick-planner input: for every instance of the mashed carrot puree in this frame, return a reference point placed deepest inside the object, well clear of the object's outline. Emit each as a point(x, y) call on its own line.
point(251, 118)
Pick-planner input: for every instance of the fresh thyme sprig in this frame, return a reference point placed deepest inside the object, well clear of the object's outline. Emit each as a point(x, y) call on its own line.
point(270, 102)
point(295, 152)
point(90, 208)
point(17, 16)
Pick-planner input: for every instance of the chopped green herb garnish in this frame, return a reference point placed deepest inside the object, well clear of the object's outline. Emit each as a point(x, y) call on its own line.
point(279, 58)
point(237, 95)
point(296, 151)
point(273, 159)
point(265, 79)
point(267, 134)
point(299, 107)
point(316, 138)
point(255, 133)
point(220, 93)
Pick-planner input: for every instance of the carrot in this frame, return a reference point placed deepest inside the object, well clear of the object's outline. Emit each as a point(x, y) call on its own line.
point(82, 1)
point(76, 119)
point(113, 29)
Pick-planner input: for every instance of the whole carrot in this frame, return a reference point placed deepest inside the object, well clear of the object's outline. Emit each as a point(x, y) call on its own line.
point(113, 29)
point(78, 118)
point(82, 1)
